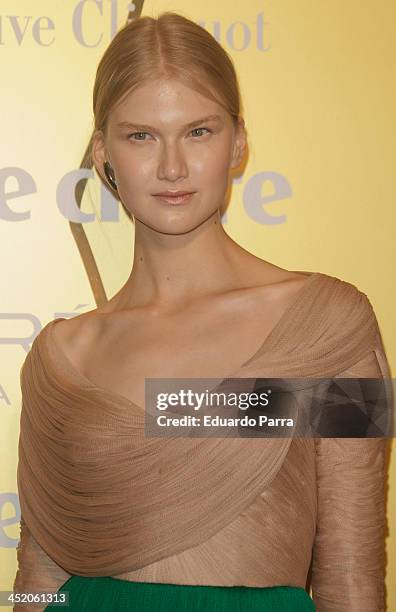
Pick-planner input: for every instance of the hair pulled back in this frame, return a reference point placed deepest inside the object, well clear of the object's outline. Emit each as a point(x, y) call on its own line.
point(169, 46)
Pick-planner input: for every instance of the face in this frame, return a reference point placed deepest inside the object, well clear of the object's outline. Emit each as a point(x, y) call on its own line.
point(165, 136)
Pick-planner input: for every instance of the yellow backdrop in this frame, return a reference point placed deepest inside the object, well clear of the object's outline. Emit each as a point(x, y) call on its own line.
point(317, 81)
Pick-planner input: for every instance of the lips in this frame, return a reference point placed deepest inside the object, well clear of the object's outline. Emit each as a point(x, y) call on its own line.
point(181, 197)
point(172, 194)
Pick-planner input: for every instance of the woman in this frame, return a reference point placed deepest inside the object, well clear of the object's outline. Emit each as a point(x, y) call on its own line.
point(126, 522)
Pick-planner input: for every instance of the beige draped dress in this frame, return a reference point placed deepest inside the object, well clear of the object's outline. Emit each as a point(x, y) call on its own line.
point(98, 498)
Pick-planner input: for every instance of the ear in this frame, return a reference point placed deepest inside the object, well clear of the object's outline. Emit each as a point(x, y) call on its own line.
point(239, 143)
point(99, 153)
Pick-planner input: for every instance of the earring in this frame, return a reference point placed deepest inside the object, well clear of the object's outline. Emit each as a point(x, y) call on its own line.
point(109, 172)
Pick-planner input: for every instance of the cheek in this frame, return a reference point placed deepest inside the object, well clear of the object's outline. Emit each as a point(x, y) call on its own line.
point(211, 165)
point(134, 174)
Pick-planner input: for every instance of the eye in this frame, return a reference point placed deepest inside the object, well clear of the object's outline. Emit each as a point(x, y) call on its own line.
point(137, 133)
point(201, 128)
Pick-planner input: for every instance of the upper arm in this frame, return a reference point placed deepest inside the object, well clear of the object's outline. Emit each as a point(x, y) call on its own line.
point(349, 548)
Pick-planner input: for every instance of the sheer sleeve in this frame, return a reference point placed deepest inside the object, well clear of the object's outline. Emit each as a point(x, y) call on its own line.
point(348, 554)
point(36, 571)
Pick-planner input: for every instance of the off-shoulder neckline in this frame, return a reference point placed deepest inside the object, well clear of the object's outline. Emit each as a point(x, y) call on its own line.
point(61, 358)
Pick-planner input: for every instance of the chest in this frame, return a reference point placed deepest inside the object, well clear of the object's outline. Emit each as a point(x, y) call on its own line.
point(214, 341)
point(123, 362)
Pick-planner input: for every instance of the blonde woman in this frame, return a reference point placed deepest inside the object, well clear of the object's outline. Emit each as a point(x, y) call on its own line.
point(121, 521)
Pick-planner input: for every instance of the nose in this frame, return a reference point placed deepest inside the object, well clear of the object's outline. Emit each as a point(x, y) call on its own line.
point(172, 164)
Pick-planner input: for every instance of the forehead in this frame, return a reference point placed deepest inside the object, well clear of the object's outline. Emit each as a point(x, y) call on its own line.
point(165, 102)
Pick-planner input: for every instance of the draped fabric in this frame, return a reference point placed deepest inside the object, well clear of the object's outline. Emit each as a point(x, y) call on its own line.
point(98, 498)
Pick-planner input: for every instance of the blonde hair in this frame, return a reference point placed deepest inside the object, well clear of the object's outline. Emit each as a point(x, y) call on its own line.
point(170, 46)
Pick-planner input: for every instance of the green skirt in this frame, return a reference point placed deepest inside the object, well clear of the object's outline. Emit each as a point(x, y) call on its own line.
point(107, 594)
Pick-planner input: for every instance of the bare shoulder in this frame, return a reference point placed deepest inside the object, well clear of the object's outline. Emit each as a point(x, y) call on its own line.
point(275, 274)
point(74, 335)
point(284, 282)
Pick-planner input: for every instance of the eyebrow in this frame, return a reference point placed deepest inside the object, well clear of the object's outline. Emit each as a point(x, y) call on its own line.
point(192, 124)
